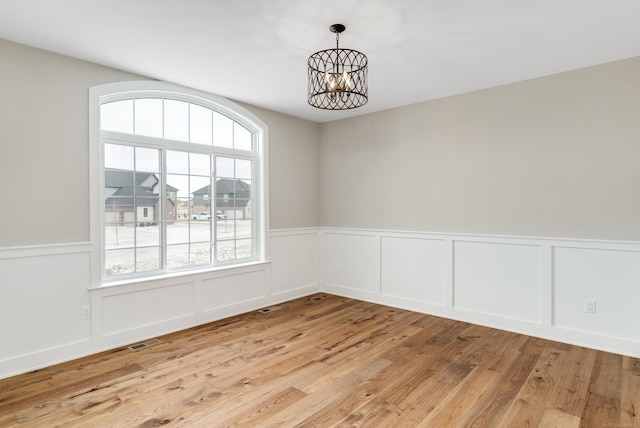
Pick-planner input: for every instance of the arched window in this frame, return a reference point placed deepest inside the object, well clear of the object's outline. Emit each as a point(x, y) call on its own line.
point(181, 180)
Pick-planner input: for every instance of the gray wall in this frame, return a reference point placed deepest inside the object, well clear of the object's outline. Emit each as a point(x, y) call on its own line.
point(294, 190)
point(551, 157)
point(44, 151)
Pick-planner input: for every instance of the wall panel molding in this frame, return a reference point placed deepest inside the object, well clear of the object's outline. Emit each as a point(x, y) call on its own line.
point(539, 286)
point(529, 285)
point(45, 288)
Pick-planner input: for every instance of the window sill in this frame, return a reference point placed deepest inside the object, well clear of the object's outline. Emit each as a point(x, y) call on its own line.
point(222, 270)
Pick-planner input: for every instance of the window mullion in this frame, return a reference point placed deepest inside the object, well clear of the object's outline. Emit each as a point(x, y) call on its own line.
point(163, 207)
point(214, 212)
point(135, 215)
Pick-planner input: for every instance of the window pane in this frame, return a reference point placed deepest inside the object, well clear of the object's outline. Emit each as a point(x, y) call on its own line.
point(241, 137)
point(118, 157)
point(118, 262)
point(224, 167)
point(222, 130)
point(226, 228)
point(184, 205)
point(148, 117)
point(200, 254)
point(178, 196)
point(119, 209)
point(201, 124)
point(147, 236)
point(200, 231)
point(117, 116)
point(243, 228)
point(243, 249)
point(147, 258)
point(224, 195)
point(200, 164)
point(147, 160)
point(243, 189)
point(176, 120)
point(146, 210)
point(177, 256)
point(178, 232)
point(225, 250)
point(201, 193)
point(243, 168)
point(174, 204)
point(119, 235)
point(177, 162)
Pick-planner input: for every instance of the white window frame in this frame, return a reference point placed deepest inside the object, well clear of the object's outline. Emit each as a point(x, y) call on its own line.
point(101, 94)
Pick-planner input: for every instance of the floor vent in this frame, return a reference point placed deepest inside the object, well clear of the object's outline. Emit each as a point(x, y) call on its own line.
point(269, 309)
point(139, 346)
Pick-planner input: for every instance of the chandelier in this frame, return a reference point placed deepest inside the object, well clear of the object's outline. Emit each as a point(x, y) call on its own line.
point(337, 77)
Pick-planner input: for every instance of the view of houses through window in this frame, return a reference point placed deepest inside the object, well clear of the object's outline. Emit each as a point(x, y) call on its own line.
point(178, 181)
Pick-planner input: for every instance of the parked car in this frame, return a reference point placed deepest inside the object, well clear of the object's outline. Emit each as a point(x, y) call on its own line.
point(202, 216)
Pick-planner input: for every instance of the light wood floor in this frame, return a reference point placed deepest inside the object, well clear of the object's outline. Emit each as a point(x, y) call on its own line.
point(325, 361)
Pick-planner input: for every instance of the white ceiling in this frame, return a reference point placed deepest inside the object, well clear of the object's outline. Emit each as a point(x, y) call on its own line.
point(256, 51)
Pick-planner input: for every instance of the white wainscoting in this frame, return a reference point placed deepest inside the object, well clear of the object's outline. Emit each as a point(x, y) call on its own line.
point(498, 279)
point(526, 285)
point(352, 262)
point(295, 257)
point(44, 288)
point(414, 268)
point(611, 278)
point(133, 310)
point(43, 291)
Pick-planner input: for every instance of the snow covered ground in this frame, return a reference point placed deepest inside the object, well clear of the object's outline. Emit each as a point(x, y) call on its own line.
point(188, 243)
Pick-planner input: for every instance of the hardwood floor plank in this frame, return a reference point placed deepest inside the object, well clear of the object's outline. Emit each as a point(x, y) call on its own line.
point(532, 400)
point(494, 350)
point(374, 413)
point(557, 419)
point(8, 419)
point(40, 394)
point(606, 378)
point(240, 398)
point(570, 393)
point(464, 401)
point(630, 395)
point(426, 394)
point(509, 386)
point(159, 407)
point(333, 413)
point(266, 409)
point(631, 364)
point(602, 411)
point(324, 361)
point(326, 394)
point(70, 407)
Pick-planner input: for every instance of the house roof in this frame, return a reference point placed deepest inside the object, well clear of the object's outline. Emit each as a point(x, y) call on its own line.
point(123, 178)
point(127, 184)
point(225, 186)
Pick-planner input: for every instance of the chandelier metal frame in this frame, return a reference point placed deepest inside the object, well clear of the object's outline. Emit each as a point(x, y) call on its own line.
point(338, 77)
